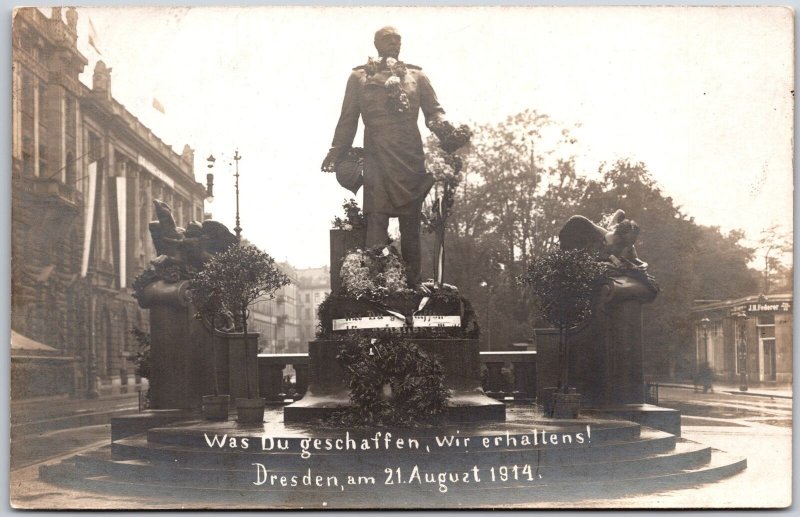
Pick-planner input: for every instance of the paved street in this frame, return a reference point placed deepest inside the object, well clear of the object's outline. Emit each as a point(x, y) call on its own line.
point(49, 428)
point(756, 427)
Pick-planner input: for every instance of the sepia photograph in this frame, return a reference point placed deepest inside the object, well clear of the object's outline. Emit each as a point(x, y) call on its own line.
point(401, 258)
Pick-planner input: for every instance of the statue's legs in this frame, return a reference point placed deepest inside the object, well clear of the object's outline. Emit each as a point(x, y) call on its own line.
point(378, 235)
point(409, 240)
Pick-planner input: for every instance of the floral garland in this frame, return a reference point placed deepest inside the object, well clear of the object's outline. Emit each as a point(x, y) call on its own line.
point(451, 139)
point(391, 381)
point(373, 273)
point(353, 217)
point(398, 99)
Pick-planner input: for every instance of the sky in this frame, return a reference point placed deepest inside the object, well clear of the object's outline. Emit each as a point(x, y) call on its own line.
point(702, 96)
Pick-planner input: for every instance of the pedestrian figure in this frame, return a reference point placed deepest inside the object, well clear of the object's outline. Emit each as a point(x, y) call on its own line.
point(705, 377)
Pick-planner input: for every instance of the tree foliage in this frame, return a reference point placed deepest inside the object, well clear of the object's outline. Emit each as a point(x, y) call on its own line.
point(232, 280)
point(564, 283)
point(520, 185)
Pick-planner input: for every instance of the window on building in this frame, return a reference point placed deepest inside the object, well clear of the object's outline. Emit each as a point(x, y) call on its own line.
point(42, 115)
point(308, 298)
point(27, 121)
point(767, 347)
point(95, 151)
point(43, 161)
point(69, 169)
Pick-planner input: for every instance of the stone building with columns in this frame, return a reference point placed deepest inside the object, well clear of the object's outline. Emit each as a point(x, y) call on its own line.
point(84, 174)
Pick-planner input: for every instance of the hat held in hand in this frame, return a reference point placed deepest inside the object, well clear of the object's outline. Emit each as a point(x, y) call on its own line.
point(349, 169)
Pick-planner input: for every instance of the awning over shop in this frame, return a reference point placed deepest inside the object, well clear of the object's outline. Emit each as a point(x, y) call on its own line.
point(23, 343)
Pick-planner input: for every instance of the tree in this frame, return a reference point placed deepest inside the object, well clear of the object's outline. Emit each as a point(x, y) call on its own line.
point(518, 182)
point(564, 283)
point(527, 180)
point(774, 244)
point(233, 280)
point(520, 186)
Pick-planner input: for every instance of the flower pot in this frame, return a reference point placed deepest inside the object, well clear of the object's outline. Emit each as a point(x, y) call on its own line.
point(250, 411)
point(566, 405)
point(215, 407)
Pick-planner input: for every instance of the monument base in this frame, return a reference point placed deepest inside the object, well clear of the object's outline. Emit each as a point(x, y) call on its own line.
point(327, 391)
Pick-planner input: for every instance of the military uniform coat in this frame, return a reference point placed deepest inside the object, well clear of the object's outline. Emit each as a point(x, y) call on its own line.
point(395, 180)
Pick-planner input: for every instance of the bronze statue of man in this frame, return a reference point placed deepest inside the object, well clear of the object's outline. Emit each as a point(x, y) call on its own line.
point(388, 95)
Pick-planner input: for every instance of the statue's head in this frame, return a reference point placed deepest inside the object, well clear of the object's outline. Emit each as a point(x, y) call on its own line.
point(387, 42)
point(627, 231)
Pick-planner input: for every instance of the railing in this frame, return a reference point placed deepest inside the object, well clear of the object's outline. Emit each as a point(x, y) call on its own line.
point(273, 385)
point(507, 376)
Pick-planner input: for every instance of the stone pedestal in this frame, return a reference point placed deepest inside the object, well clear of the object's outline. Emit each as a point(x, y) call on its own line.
point(606, 354)
point(342, 242)
point(182, 352)
point(327, 390)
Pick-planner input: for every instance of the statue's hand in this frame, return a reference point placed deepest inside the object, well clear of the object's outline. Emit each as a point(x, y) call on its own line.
point(330, 160)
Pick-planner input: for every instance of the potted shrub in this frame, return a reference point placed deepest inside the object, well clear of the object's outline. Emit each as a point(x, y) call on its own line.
point(564, 283)
point(233, 280)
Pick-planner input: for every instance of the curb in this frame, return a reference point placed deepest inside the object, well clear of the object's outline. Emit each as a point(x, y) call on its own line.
point(735, 392)
point(731, 391)
point(69, 421)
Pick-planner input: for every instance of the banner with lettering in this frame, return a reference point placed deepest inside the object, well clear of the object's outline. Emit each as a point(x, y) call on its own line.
point(380, 322)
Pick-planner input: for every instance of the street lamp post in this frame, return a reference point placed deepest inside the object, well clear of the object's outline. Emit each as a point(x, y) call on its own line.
point(702, 367)
point(91, 352)
point(237, 228)
point(236, 157)
point(704, 325)
point(741, 349)
point(488, 315)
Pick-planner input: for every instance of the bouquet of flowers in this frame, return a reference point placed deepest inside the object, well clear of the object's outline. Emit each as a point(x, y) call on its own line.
point(398, 99)
point(353, 217)
point(451, 138)
point(374, 273)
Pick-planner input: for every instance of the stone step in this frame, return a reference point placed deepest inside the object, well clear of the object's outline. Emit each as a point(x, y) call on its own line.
point(169, 494)
point(648, 442)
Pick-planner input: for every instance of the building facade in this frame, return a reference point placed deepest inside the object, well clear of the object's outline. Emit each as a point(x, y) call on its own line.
point(751, 334)
point(277, 319)
point(315, 284)
point(84, 173)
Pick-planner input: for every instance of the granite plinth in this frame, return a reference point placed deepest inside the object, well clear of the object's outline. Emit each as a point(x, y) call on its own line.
point(606, 359)
point(185, 351)
point(327, 391)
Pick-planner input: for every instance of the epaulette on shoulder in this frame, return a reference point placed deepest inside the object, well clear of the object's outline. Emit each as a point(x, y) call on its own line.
point(413, 67)
point(360, 67)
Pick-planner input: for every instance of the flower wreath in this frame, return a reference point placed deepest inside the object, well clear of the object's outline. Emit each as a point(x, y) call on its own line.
point(391, 381)
point(373, 273)
point(398, 100)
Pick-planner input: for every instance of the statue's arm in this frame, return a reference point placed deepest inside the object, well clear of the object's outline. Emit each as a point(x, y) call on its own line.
point(348, 122)
point(431, 108)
